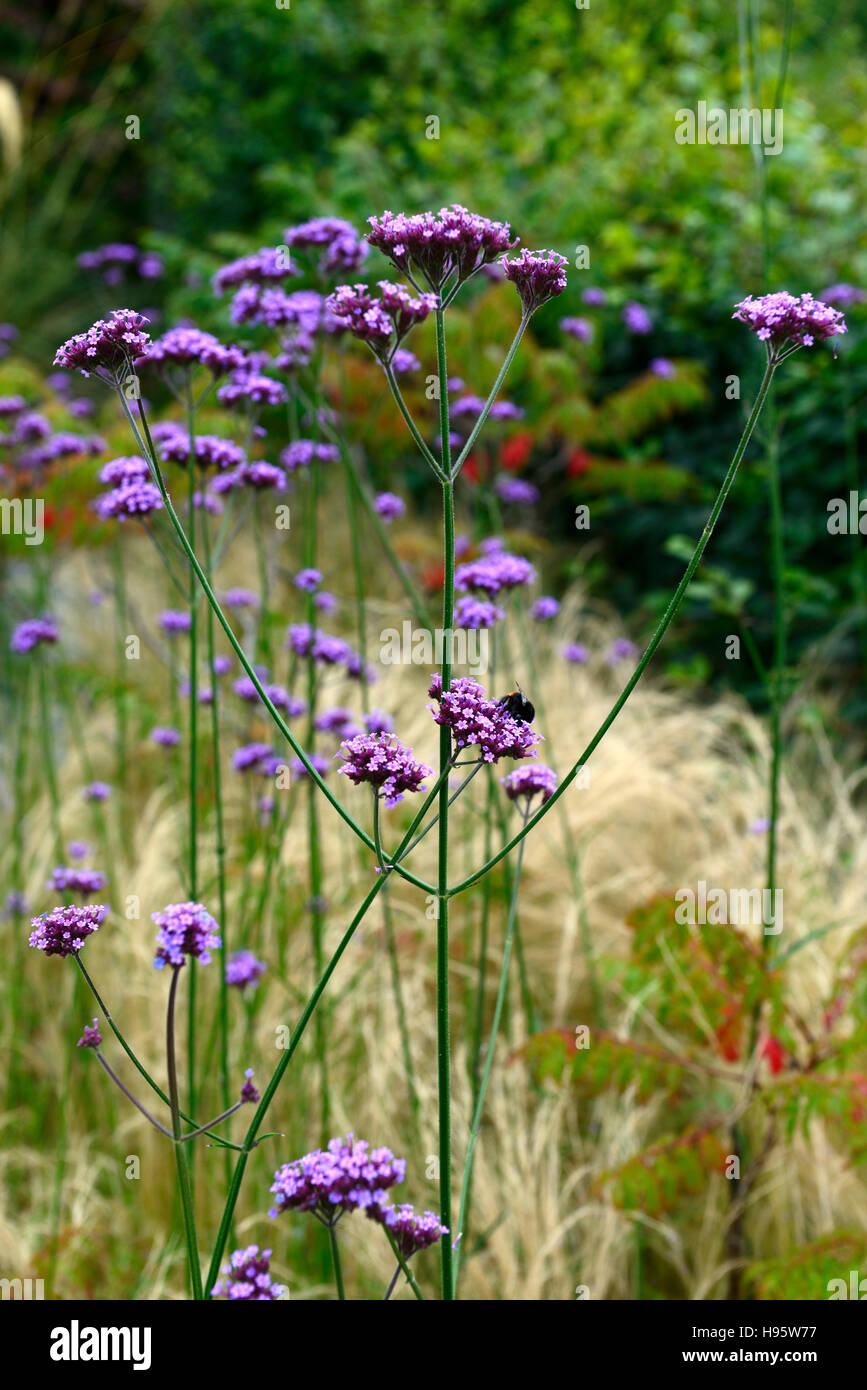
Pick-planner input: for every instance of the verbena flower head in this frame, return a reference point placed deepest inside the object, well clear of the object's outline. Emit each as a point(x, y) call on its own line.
point(91, 1036)
point(252, 757)
point(437, 245)
point(383, 762)
point(621, 649)
point(784, 320)
point(108, 344)
point(33, 633)
point(246, 1278)
point(267, 266)
point(843, 294)
point(346, 1176)
point(173, 620)
point(476, 613)
point(383, 321)
point(344, 250)
point(243, 970)
point(185, 929)
point(11, 405)
point(636, 318)
point(78, 849)
point(123, 470)
point(404, 361)
point(517, 492)
point(478, 721)
point(544, 609)
point(137, 498)
point(527, 782)
point(579, 328)
point(249, 1093)
point(301, 453)
point(577, 654)
point(210, 450)
point(412, 1230)
point(308, 580)
point(494, 573)
point(319, 763)
point(389, 506)
point(537, 275)
point(165, 736)
point(237, 599)
point(73, 880)
point(187, 347)
point(338, 721)
point(254, 387)
point(16, 904)
point(64, 930)
point(378, 722)
point(97, 791)
point(258, 474)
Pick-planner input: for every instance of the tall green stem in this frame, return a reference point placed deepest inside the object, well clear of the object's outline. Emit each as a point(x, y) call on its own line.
point(184, 1183)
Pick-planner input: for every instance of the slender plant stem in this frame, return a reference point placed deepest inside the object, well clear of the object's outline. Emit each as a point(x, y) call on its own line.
point(501, 376)
point(184, 1183)
point(129, 1095)
point(411, 425)
point(335, 1260)
point(193, 727)
point(443, 1043)
point(489, 1058)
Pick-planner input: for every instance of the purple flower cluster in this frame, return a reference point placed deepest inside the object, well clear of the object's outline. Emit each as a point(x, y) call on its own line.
point(240, 598)
point(346, 1176)
point(123, 470)
point(436, 245)
point(253, 757)
point(337, 721)
point(246, 1277)
point(476, 613)
point(301, 453)
point(478, 721)
point(785, 319)
point(383, 762)
point(32, 633)
point(136, 498)
point(115, 258)
point(249, 1092)
point(185, 929)
point(174, 620)
point(72, 880)
point(91, 1036)
point(108, 343)
point(517, 491)
point(537, 275)
point(579, 328)
point(412, 1230)
point(494, 573)
point(64, 930)
point(165, 736)
point(210, 450)
point(186, 347)
point(636, 318)
point(527, 782)
point(389, 506)
point(243, 970)
point(544, 609)
point(577, 654)
point(266, 266)
point(97, 791)
point(252, 386)
point(324, 649)
point(344, 249)
point(383, 321)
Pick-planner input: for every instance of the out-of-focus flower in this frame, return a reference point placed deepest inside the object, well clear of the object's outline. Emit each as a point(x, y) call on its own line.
point(187, 347)
point(344, 250)
point(123, 470)
point(636, 318)
point(165, 736)
point(494, 573)
point(269, 265)
point(243, 970)
point(517, 491)
point(308, 580)
point(389, 506)
point(577, 654)
point(97, 791)
point(378, 722)
point(843, 294)
point(76, 880)
point(210, 450)
point(174, 620)
point(475, 613)
point(301, 453)
point(240, 598)
point(133, 499)
point(660, 366)
point(594, 296)
point(579, 328)
point(252, 386)
point(621, 649)
point(544, 609)
point(33, 633)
